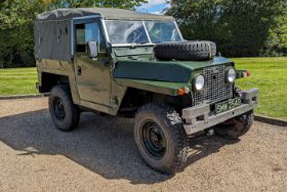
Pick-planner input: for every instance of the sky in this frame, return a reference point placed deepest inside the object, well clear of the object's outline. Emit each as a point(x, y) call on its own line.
point(153, 6)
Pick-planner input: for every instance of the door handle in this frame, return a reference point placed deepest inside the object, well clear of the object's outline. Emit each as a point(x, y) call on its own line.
point(79, 70)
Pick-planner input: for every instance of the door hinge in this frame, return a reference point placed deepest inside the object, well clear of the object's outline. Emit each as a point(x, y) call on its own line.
point(79, 70)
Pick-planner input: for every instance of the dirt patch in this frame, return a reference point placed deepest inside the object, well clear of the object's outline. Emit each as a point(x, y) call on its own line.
point(101, 155)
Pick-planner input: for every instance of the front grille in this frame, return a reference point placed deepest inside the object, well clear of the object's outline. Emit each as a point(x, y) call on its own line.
point(216, 88)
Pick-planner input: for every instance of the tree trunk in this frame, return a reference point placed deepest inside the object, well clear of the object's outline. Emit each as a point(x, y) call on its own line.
point(11, 57)
point(1, 64)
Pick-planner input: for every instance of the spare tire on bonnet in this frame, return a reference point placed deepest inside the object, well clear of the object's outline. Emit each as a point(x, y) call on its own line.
point(186, 51)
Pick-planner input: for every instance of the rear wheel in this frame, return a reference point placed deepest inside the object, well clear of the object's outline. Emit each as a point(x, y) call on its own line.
point(160, 138)
point(65, 115)
point(236, 127)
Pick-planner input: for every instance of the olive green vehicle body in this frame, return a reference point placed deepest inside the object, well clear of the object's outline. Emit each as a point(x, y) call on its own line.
point(105, 85)
point(102, 83)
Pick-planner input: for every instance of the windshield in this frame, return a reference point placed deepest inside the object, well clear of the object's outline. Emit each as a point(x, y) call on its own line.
point(160, 32)
point(135, 32)
point(122, 32)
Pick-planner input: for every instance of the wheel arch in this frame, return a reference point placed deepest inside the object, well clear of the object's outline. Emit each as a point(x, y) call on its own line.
point(49, 80)
point(134, 99)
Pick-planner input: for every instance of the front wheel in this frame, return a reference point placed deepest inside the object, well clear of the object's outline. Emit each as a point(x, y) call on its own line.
point(64, 113)
point(236, 127)
point(160, 138)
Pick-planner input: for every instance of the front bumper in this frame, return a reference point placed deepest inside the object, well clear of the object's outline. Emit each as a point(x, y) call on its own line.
point(199, 118)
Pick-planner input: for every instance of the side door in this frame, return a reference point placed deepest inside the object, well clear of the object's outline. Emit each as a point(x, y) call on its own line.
point(93, 75)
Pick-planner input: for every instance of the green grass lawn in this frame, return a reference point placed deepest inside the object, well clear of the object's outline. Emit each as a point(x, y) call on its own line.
point(19, 81)
point(268, 74)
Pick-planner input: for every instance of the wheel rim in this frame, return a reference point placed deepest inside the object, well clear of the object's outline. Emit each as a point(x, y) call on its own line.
point(59, 109)
point(154, 139)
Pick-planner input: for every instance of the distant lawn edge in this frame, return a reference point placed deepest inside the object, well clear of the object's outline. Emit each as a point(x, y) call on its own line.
point(271, 120)
point(264, 119)
point(30, 96)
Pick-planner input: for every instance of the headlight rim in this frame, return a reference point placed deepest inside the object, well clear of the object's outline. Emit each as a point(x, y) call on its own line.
point(228, 75)
point(195, 81)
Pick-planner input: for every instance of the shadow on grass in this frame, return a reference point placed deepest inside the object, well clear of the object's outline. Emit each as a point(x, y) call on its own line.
point(104, 145)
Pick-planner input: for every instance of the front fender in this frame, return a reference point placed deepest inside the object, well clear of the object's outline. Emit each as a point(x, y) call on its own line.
point(161, 87)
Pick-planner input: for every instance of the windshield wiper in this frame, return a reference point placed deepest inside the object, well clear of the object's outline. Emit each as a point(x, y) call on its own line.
point(138, 44)
point(142, 43)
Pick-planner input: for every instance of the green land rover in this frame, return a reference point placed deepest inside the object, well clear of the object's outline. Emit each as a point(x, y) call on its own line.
point(137, 65)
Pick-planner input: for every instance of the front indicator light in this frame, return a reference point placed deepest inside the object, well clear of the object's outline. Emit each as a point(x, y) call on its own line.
point(183, 91)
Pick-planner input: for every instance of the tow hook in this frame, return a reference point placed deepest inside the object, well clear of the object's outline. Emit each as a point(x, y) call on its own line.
point(210, 132)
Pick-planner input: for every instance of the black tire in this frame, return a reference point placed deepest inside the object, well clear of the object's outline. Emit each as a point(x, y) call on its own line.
point(169, 153)
point(65, 115)
point(236, 127)
point(186, 51)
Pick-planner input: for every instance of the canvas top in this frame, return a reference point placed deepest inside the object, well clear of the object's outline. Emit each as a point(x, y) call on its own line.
point(107, 13)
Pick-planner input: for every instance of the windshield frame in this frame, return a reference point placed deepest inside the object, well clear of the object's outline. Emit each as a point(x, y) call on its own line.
point(150, 43)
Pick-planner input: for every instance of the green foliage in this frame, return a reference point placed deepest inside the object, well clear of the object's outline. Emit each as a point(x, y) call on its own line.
point(17, 25)
point(239, 27)
point(16, 31)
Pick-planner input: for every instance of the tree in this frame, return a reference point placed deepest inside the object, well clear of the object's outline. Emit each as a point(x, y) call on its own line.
point(239, 27)
point(250, 23)
point(12, 31)
point(16, 31)
point(276, 43)
point(17, 25)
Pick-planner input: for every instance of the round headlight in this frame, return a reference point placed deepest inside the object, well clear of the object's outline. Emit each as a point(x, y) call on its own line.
point(199, 83)
point(231, 75)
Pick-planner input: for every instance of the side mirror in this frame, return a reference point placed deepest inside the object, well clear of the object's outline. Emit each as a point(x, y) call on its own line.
point(92, 49)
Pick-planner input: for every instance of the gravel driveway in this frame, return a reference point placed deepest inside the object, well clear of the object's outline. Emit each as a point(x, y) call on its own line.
point(101, 156)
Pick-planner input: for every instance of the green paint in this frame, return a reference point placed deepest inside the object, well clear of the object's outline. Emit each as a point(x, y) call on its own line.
point(169, 71)
point(168, 88)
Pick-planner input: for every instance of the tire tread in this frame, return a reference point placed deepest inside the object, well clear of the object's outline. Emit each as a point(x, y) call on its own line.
point(189, 50)
point(171, 118)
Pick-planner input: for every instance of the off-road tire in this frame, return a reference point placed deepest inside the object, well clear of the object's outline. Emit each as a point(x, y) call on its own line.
point(236, 127)
point(186, 51)
point(171, 124)
point(72, 113)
